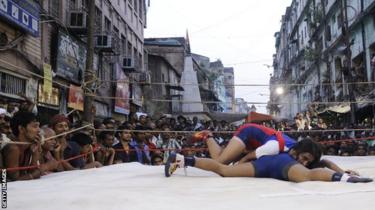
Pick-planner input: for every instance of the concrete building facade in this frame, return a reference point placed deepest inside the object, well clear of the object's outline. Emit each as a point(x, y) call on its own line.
point(60, 42)
point(326, 47)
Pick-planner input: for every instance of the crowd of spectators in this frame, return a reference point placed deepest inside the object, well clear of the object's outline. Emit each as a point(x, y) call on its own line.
point(48, 148)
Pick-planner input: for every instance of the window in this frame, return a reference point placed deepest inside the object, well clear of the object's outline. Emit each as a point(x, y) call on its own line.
point(328, 33)
point(135, 6)
point(125, 6)
point(130, 50)
point(123, 44)
point(107, 25)
point(10, 84)
point(339, 20)
point(116, 31)
point(140, 8)
point(72, 4)
point(98, 20)
point(54, 8)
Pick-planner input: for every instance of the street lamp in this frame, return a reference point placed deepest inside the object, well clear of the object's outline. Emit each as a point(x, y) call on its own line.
point(279, 90)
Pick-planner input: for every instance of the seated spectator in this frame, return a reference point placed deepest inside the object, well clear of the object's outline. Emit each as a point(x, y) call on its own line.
point(197, 126)
point(371, 151)
point(123, 150)
point(12, 108)
point(331, 150)
point(106, 154)
point(168, 144)
point(361, 149)
point(2, 115)
point(111, 125)
point(79, 144)
point(5, 127)
point(300, 121)
point(61, 124)
point(156, 160)
point(346, 149)
point(321, 124)
point(141, 149)
point(48, 146)
point(25, 128)
point(182, 123)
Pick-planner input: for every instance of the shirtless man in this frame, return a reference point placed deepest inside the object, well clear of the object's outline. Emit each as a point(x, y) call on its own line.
point(25, 128)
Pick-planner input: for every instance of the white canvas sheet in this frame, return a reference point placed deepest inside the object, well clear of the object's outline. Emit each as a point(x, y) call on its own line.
point(134, 186)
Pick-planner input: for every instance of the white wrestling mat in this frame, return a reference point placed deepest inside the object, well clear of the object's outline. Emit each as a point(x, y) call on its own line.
point(134, 186)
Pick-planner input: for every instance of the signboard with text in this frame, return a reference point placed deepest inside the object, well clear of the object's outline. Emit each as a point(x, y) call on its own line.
point(22, 13)
point(71, 58)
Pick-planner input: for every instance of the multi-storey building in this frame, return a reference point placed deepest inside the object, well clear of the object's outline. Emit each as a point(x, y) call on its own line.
point(217, 71)
point(55, 35)
point(229, 89)
point(324, 46)
point(21, 55)
point(242, 106)
point(166, 58)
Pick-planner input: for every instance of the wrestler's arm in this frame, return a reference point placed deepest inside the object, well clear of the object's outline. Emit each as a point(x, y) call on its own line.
point(324, 163)
point(269, 148)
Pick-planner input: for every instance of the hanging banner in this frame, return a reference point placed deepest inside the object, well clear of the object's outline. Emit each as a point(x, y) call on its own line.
point(75, 98)
point(52, 98)
point(122, 92)
point(47, 79)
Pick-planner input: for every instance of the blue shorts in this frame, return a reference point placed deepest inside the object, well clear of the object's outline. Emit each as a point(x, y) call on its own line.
point(274, 166)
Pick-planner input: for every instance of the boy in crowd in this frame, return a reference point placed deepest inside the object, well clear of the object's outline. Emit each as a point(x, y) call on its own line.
point(80, 144)
point(106, 153)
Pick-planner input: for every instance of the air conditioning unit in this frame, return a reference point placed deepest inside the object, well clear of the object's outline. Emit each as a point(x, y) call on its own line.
point(77, 19)
point(103, 41)
point(127, 63)
point(145, 78)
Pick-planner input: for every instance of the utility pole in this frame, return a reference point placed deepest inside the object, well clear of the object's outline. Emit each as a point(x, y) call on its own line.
point(348, 64)
point(89, 74)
